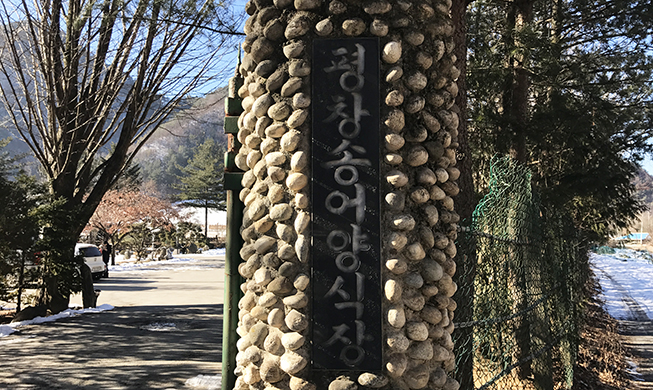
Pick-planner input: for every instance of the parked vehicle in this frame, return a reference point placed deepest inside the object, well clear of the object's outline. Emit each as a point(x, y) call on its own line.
point(92, 258)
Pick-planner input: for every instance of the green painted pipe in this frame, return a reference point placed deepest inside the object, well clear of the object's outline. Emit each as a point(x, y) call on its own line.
point(232, 279)
point(232, 292)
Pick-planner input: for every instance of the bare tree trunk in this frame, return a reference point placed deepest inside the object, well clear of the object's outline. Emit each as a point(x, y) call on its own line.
point(50, 296)
point(21, 282)
point(516, 95)
point(89, 298)
point(465, 204)
point(206, 219)
point(515, 107)
point(63, 230)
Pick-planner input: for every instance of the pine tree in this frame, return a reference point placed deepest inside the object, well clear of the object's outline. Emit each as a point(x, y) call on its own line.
point(565, 86)
point(202, 180)
point(19, 231)
point(22, 216)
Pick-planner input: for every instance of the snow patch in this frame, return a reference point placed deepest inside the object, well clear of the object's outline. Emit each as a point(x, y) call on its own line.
point(6, 330)
point(214, 252)
point(159, 327)
point(632, 371)
point(210, 382)
point(626, 271)
point(166, 265)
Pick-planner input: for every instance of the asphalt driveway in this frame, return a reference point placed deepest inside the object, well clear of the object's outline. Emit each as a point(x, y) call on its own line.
point(173, 335)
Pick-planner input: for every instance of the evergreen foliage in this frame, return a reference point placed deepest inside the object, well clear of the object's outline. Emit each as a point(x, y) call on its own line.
point(60, 267)
point(163, 173)
point(140, 237)
point(19, 228)
point(130, 180)
point(644, 186)
point(584, 119)
point(202, 180)
point(183, 235)
point(31, 244)
point(175, 143)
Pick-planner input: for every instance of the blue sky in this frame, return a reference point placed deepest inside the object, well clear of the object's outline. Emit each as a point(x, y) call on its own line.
point(647, 164)
point(230, 59)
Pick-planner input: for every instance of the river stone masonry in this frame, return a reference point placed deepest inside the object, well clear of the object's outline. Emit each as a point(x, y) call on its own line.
point(418, 183)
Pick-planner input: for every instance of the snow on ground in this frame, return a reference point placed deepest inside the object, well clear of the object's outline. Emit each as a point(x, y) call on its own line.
point(209, 382)
point(6, 330)
point(178, 264)
point(131, 265)
point(206, 253)
point(159, 327)
point(626, 271)
point(214, 252)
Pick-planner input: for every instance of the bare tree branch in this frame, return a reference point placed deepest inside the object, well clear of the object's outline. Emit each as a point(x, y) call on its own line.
point(79, 76)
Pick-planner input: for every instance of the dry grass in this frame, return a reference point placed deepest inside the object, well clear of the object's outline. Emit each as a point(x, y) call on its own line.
point(601, 363)
point(482, 375)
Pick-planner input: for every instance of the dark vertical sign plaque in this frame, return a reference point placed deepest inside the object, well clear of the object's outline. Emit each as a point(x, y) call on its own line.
point(346, 205)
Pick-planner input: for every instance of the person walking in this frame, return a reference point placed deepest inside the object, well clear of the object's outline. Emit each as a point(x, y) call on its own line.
point(106, 256)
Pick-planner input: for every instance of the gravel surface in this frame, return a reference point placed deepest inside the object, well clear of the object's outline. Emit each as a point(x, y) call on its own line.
point(638, 340)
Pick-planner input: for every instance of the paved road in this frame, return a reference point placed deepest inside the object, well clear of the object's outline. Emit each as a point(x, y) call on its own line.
point(166, 328)
point(196, 282)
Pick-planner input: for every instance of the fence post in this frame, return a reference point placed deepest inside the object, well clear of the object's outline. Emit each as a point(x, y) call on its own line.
point(464, 337)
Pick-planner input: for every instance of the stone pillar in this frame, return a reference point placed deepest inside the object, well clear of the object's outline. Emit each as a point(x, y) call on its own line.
point(416, 186)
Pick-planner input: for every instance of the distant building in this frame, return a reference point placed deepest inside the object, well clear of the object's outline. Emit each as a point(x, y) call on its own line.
point(217, 231)
point(633, 237)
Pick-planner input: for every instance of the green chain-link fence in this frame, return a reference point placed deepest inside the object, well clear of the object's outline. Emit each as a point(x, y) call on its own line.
point(520, 284)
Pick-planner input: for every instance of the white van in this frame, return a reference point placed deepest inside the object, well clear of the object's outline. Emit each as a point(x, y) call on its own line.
point(92, 258)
